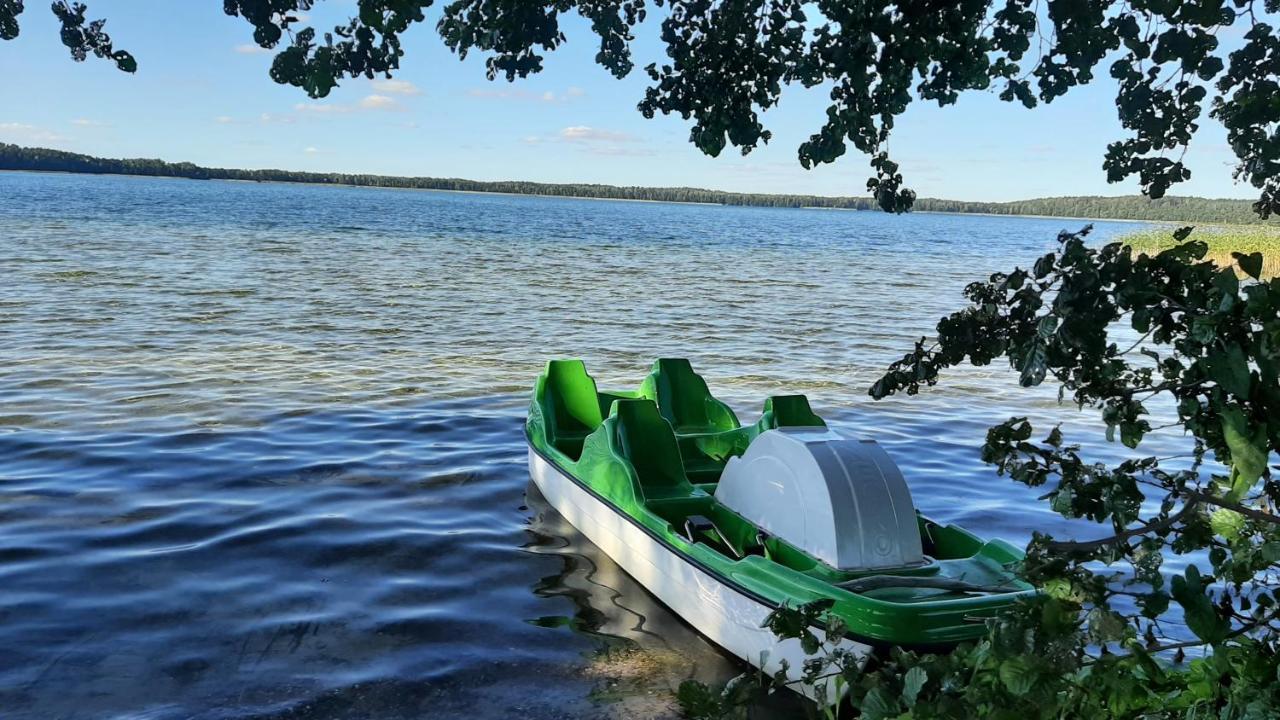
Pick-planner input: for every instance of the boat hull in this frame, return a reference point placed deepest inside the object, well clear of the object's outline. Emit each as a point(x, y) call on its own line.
point(724, 614)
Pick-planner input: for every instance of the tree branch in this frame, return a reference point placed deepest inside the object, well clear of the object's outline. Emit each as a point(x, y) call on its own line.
point(1197, 496)
point(1087, 545)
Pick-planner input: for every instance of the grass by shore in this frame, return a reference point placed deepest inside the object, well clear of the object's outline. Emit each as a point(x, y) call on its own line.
point(1222, 240)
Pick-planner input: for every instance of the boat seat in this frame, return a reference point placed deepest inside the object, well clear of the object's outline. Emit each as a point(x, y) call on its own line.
point(700, 468)
point(789, 411)
point(645, 439)
point(705, 454)
point(684, 399)
point(571, 404)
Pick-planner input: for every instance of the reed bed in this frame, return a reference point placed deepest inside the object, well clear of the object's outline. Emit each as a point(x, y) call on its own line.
point(1222, 241)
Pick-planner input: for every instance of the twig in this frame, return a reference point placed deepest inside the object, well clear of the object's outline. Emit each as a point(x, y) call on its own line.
point(1086, 545)
point(1243, 510)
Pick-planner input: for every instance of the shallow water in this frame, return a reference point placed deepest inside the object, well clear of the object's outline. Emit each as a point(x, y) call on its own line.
point(261, 452)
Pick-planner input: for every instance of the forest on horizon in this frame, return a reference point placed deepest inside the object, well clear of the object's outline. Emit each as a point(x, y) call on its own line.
point(1125, 207)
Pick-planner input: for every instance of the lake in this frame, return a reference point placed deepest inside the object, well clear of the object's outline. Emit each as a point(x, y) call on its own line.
point(261, 446)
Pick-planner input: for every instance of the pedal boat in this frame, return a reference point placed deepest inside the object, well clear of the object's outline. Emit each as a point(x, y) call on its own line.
point(724, 523)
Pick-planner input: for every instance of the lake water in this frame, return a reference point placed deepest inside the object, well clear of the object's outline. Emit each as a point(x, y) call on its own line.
point(261, 449)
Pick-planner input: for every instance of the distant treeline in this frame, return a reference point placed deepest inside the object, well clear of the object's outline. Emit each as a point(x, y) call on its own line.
point(1129, 207)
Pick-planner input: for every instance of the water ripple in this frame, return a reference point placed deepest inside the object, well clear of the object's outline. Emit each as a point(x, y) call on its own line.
point(264, 463)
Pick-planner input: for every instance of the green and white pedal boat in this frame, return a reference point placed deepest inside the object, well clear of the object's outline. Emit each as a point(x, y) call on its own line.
point(724, 523)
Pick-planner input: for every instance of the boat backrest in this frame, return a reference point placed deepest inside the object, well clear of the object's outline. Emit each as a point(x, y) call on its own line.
point(645, 439)
point(571, 404)
point(684, 399)
point(789, 411)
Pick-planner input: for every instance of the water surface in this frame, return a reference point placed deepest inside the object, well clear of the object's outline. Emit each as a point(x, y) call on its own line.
point(261, 452)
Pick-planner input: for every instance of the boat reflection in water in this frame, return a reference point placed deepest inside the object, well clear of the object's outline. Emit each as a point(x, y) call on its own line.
point(646, 651)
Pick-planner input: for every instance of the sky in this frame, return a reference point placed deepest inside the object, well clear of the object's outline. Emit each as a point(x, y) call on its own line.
point(202, 94)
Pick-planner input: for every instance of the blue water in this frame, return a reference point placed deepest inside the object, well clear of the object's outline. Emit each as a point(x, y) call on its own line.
point(261, 451)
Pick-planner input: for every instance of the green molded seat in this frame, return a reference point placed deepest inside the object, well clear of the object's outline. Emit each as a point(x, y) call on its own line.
point(789, 411)
point(684, 399)
point(570, 404)
point(704, 455)
point(645, 439)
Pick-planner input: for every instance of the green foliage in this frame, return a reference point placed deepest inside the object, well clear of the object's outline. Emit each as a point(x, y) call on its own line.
point(699, 702)
point(80, 39)
point(9, 12)
point(1191, 592)
point(728, 61)
point(1207, 347)
point(1107, 636)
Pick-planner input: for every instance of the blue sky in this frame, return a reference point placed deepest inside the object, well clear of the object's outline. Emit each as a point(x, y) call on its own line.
point(202, 94)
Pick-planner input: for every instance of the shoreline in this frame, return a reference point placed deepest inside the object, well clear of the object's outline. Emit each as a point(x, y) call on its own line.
point(566, 196)
point(305, 183)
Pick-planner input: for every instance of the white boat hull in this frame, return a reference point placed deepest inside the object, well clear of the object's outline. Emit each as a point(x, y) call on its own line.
point(730, 618)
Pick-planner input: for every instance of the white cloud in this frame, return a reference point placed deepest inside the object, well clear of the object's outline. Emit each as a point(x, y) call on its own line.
point(519, 94)
point(369, 102)
point(21, 132)
point(310, 150)
point(585, 134)
point(620, 151)
point(86, 122)
point(322, 108)
point(250, 49)
point(263, 119)
point(494, 94)
point(380, 102)
point(595, 141)
point(396, 87)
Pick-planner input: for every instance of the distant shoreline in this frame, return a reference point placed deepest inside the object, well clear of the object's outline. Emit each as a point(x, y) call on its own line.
point(1057, 217)
point(1125, 208)
point(432, 190)
point(420, 189)
point(1138, 221)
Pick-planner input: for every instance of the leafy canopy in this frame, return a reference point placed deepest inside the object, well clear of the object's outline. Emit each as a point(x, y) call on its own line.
point(727, 62)
point(1202, 340)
